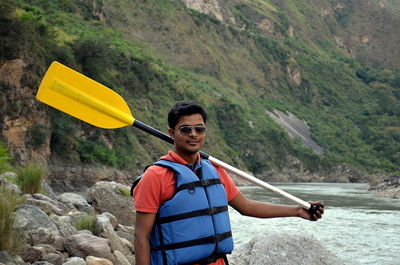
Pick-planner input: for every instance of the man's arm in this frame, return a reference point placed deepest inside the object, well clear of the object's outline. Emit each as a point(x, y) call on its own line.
point(143, 227)
point(266, 210)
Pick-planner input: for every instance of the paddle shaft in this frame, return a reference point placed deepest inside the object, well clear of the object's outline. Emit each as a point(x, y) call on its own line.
point(240, 173)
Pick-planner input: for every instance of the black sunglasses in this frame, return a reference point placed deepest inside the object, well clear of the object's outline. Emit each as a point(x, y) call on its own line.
point(187, 129)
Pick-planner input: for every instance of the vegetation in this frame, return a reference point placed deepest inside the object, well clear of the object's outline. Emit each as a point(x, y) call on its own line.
point(87, 222)
point(10, 240)
point(237, 72)
point(125, 192)
point(5, 158)
point(30, 178)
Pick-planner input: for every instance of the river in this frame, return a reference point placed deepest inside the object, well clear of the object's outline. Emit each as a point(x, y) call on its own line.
point(358, 226)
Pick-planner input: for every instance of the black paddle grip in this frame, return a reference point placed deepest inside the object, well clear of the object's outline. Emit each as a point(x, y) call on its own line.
point(313, 209)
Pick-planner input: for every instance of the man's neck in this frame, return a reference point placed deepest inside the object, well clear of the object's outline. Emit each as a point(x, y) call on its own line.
point(189, 158)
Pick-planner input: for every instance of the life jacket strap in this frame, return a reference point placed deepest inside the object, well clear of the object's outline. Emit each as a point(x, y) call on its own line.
point(211, 259)
point(207, 211)
point(200, 183)
point(205, 240)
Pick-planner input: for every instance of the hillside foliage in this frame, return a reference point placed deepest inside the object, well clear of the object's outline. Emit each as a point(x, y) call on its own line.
point(156, 52)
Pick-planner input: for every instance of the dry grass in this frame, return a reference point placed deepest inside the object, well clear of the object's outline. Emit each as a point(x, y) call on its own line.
point(10, 240)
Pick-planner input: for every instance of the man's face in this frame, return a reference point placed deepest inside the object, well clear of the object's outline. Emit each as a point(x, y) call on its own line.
point(188, 135)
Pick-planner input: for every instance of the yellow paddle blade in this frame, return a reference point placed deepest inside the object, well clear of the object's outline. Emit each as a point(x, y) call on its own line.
point(83, 98)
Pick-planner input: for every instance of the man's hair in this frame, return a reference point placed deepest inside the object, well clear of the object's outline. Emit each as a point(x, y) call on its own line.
point(183, 108)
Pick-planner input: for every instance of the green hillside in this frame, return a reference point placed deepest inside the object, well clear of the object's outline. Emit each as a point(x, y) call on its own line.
point(156, 52)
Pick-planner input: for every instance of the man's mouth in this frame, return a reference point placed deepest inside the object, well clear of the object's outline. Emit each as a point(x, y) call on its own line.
point(192, 142)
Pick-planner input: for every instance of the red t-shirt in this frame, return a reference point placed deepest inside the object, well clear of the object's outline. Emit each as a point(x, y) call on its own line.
point(158, 184)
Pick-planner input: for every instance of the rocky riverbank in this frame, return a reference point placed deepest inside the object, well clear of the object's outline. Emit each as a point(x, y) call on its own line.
point(390, 187)
point(49, 226)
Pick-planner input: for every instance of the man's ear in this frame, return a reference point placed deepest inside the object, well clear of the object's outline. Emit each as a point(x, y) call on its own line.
point(171, 133)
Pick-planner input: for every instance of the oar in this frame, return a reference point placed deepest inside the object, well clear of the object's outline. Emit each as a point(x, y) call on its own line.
point(90, 101)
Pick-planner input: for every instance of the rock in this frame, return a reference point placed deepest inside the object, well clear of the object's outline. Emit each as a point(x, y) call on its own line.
point(46, 248)
point(76, 215)
point(8, 184)
point(33, 254)
point(390, 187)
point(75, 176)
point(106, 229)
point(48, 190)
point(109, 218)
point(90, 260)
point(42, 263)
point(127, 232)
point(82, 245)
point(75, 261)
point(294, 248)
point(64, 225)
point(120, 259)
point(47, 205)
point(107, 197)
point(35, 225)
point(77, 201)
point(7, 259)
point(54, 258)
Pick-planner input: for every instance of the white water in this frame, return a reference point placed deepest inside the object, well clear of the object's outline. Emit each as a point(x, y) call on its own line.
point(358, 226)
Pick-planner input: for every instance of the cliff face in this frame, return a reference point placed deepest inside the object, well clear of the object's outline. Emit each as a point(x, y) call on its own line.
point(21, 115)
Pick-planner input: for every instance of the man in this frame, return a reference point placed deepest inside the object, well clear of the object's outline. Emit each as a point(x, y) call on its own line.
point(181, 201)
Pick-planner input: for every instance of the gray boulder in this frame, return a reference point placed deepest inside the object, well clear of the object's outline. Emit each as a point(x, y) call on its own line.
point(74, 261)
point(64, 225)
point(120, 259)
point(7, 259)
point(41, 262)
point(33, 253)
point(35, 225)
point(109, 197)
point(78, 201)
point(55, 258)
point(106, 224)
point(8, 184)
point(83, 245)
point(294, 248)
point(90, 260)
point(46, 204)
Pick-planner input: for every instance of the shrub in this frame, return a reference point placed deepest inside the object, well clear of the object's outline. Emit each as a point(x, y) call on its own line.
point(87, 222)
point(30, 177)
point(10, 240)
point(36, 135)
point(5, 158)
point(124, 192)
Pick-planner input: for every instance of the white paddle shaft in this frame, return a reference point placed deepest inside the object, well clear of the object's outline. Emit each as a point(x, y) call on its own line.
point(259, 182)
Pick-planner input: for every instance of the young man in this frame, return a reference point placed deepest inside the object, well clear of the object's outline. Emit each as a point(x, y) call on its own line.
point(181, 201)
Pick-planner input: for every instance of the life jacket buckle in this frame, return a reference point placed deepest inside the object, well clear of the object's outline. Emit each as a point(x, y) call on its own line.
point(192, 188)
point(212, 211)
point(205, 182)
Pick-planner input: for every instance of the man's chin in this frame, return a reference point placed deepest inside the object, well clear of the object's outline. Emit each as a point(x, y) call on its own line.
point(192, 150)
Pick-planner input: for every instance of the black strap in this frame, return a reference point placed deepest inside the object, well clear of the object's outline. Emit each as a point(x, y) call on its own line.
point(205, 240)
point(207, 211)
point(199, 183)
point(163, 253)
point(211, 259)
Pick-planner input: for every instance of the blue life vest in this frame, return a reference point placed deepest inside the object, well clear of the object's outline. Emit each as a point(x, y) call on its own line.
point(193, 226)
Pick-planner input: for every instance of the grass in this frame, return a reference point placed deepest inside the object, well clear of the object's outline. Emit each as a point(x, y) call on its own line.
point(5, 158)
point(124, 192)
point(87, 222)
point(10, 240)
point(30, 178)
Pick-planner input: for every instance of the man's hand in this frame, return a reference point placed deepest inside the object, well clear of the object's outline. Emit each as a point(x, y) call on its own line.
point(305, 214)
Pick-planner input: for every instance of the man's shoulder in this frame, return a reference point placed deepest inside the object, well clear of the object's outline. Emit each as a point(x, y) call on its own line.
point(158, 172)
